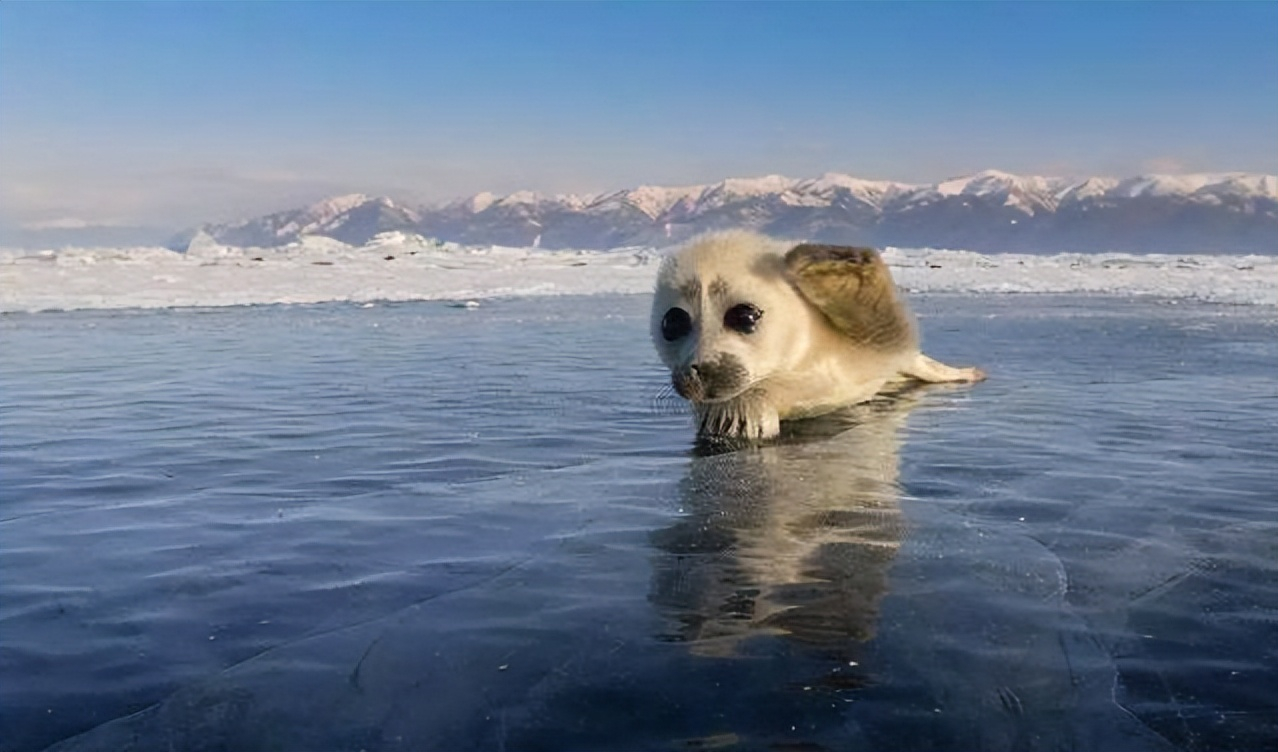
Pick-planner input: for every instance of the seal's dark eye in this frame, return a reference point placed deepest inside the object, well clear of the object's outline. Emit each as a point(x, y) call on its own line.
point(675, 324)
point(742, 318)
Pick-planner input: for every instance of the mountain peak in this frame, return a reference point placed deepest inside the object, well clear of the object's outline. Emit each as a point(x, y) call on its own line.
point(985, 182)
point(755, 186)
point(476, 203)
point(652, 200)
point(989, 211)
point(331, 207)
point(1241, 183)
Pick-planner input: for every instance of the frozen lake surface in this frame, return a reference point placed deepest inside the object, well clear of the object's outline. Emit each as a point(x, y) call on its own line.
point(418, 527)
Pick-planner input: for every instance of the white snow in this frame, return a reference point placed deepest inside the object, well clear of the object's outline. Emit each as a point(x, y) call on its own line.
point(980, 184)
point(755, 186)
point(721, 193)
point(1239, 184)
point(1086, 189)
point(1026, 193)
point(873, 192)
point(479, 202)
point(404, 266)
point(330, 208)
point(1262, 185)
point(1244, 280)
point(649, 199)
point(519, 197)
point(323, 212)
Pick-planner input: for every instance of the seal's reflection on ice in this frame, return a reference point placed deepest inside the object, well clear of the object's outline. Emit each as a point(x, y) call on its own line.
point(793, 538)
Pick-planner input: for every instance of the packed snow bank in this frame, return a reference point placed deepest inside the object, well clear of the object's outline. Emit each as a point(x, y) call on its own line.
point(398, 266)
point(1248, 280)
point(311, 271)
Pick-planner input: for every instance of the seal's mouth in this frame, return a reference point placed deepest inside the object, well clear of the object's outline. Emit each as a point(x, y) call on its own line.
point(711, 381)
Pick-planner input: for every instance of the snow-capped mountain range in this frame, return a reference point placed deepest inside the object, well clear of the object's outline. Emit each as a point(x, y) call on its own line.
point(990, 211)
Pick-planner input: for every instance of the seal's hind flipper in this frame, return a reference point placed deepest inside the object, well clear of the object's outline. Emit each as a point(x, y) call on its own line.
point(932, 371)
point(854, 289)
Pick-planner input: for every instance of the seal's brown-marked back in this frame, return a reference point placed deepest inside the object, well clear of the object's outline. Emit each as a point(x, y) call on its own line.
point(854, 289)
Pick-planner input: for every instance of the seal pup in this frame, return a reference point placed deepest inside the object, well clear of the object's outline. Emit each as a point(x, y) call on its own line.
point(756, 331)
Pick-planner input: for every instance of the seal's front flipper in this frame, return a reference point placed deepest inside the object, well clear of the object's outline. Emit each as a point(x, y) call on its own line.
point(931, 371)
point(854, 289)
point(748, 416)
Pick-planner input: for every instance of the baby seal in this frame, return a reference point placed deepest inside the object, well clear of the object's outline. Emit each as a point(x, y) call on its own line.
point(754, 334)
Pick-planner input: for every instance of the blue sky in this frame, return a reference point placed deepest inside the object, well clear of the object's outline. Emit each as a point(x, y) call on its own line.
point(172, 113)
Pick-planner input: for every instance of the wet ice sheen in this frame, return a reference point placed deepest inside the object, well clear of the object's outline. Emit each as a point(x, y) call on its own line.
point(421, 527)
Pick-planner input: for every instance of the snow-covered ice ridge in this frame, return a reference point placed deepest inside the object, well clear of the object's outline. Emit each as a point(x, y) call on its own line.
point(399, 266)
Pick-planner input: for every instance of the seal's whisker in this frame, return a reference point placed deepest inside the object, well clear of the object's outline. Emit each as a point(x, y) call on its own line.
point(667, 402)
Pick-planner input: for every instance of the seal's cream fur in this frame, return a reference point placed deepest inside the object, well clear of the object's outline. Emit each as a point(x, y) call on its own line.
point(830, 332)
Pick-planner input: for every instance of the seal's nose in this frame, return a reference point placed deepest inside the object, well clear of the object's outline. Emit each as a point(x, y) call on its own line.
point(688, 383)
